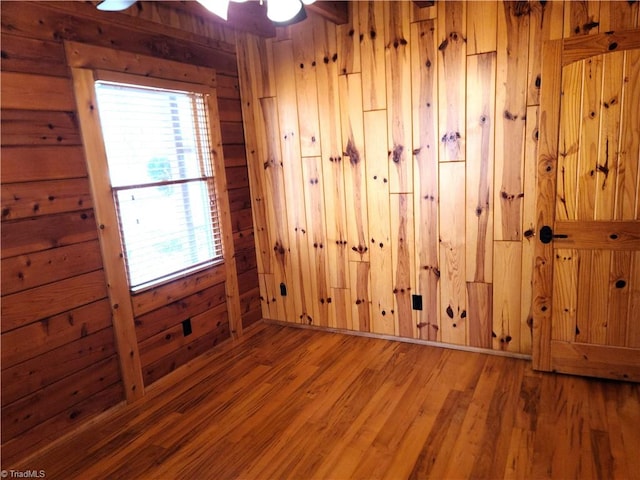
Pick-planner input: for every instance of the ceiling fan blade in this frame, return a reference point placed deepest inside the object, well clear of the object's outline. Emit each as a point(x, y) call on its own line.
point(115, 5)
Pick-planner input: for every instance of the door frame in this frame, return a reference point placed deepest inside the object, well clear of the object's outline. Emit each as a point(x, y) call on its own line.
point(556, 54)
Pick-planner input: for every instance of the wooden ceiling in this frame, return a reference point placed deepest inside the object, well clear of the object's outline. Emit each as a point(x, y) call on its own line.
point(251, 16)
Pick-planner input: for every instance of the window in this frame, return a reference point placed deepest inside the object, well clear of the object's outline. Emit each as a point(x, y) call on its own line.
point(161, 173)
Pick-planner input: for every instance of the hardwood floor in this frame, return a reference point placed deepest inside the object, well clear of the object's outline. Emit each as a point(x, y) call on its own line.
point(295, 403)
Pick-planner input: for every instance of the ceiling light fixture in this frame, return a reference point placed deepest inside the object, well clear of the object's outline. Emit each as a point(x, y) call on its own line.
point(280, 12)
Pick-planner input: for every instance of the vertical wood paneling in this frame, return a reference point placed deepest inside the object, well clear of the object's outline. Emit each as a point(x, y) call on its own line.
point(305, 61)
point(479, 166)
point(317, 241)
point(348, 42)
point(619, 298)
point(506, 295)
point(607, 164)
point(275, 195)
point(398, 76)
point(598, 296)
point(380, 256)
point(618, 16)
point(545, 23)
point(360, 295)
point(341, 307)
point(267, 296)
point(473, 71)
point(453, 307)
point(354, 166)
point(633, 325)
point(480, 297)
point(585, 156)
point(511, 108)
point(251, 112)
point(481, 26)
point(452, 30)
point(372, 55)
point(332, 153)
point(425, 150)
point(403, 259)
point(565, 298)
point(295, 225)
point(581, 17)
point(628, 189)
point(529, 213)
point(583, 316)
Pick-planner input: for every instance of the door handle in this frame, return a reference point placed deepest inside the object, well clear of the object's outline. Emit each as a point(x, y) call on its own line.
point(546, 234)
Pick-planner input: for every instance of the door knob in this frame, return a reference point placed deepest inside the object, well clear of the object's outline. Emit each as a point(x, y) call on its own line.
point(546, 234)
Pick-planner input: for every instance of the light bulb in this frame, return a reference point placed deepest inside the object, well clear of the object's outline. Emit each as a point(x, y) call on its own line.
point(115, 5)
point(282, 10)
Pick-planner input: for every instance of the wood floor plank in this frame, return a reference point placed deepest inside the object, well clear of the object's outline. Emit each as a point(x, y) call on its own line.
point(288, 402)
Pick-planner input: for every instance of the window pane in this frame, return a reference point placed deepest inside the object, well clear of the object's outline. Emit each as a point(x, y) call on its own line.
point(149, 135)
point(158, 153)
point(165, 229)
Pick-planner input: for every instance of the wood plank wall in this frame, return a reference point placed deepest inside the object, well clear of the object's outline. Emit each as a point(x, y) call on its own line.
point(395, 156)
point(59, 363)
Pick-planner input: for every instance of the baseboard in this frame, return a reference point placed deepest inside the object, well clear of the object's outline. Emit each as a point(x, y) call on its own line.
point(416, 341)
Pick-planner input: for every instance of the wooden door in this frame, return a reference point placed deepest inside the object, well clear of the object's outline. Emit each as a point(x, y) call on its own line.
point(587, 267)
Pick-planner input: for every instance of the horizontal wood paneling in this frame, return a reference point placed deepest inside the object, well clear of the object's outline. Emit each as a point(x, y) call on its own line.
point(38, 372)
point(175, 312)
point(232, 133)
point(52, 332)
point(168, 364)
point(171, 339)
point(32, 199)
point(19, 309)
point(56, 318)
point(27, 127)
point(241, 220)
point(228, 88)
point(237, 177)
point(239, 198)
point(30, 55)
point(49, 431)
point(26, 91)
point(45, 22)
point(32, 270)
point(38, 407)
point(50, 231)
point(235, 155)
point(27, 164)
point(163, 295)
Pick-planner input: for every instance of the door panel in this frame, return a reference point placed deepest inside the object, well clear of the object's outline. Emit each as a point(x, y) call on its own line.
point(586, 277)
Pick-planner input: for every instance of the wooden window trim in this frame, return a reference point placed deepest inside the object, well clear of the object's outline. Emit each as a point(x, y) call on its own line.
point(90, 63)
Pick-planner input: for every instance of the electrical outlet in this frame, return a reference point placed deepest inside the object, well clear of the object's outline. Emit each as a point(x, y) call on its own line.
point(417, 302)
point(186, 327)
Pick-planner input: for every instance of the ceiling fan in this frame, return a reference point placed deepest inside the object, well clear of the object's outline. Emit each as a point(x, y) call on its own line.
point(278, 11)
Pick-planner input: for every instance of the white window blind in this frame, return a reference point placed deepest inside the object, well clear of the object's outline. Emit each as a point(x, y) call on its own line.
point(158, 152)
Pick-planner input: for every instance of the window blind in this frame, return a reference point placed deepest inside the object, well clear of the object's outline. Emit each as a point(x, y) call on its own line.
point(159, 156)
